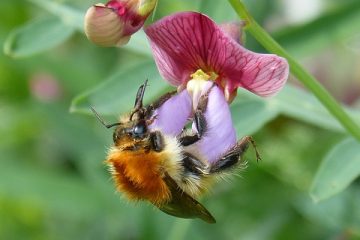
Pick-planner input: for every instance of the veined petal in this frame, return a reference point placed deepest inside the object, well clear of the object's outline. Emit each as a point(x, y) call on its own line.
point(187, 41)
point(262, 74)
point(220, 135)
point(234, 30)
point(172, 115)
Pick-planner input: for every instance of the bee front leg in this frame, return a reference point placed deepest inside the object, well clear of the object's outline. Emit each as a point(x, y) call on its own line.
point(232, 157)
point(199, 121)
point(156, 141)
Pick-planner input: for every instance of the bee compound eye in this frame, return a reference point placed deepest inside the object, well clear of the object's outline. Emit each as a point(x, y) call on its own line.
point(139, 130)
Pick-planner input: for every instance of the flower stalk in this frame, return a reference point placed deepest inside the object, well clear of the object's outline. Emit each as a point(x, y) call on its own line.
point(295, 68)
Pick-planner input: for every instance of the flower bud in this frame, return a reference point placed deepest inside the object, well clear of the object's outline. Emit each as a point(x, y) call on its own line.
point(113, 23)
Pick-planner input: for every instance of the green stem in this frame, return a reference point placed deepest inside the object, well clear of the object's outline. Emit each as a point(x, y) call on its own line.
point(296, 69)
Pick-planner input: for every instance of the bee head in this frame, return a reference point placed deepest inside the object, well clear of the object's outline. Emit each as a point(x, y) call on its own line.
point(133, 129)
point(136, 126)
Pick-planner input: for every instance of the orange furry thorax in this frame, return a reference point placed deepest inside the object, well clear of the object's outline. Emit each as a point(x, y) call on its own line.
point(139, 174)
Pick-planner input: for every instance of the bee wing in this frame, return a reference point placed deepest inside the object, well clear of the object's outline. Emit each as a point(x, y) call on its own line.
point(183, 205)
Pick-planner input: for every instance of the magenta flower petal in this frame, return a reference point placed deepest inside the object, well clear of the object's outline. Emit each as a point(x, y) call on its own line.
point(185, 42)
point(172, 116)
point(234, 30)
point(220, 134)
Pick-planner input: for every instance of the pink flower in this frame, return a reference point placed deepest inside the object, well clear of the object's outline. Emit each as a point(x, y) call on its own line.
point(190, 50)
point(188, 41)
point(113, 24)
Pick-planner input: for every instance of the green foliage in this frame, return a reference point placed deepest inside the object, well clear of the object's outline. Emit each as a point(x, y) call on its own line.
point(115, 93)
point(37, 36)
point(53, 184)
point(316, 35)
point(340, 167)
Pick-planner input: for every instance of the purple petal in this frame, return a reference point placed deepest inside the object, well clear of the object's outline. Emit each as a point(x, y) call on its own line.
point(220, 134)
point(185, 42)
point(172, 115)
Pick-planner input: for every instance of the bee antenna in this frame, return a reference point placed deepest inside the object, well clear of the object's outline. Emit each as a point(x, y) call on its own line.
point(102, 120)
point(140, 95)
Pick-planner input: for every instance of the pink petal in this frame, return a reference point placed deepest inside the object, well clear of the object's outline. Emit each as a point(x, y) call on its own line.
point(234, 30)
point(131, 20)
point(187, 41)
point(220, 135)
point(262, 74)
point(172, 115)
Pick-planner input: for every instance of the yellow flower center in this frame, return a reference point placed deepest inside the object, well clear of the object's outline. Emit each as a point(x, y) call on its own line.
point(196, 85)
point(201, 75)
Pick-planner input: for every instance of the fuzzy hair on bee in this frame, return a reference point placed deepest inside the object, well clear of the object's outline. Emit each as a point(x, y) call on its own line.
point(148, 164)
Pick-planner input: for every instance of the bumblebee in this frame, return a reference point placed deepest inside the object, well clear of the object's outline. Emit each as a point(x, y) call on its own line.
point(166, 170)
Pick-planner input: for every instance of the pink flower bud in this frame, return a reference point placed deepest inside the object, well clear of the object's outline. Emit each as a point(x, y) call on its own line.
point(113, 23)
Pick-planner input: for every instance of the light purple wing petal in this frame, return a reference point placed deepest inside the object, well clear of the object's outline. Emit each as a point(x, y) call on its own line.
point(172, 115)
point(220, 135)
point(187, 41)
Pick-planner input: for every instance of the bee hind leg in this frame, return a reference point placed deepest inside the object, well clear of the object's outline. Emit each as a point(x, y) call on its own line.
point(193, 165)
point(232, 157)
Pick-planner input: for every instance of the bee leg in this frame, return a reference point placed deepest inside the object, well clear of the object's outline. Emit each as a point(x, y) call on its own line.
point(232, 157)
point(199, 121)
point(192, 165)
point(156, 141)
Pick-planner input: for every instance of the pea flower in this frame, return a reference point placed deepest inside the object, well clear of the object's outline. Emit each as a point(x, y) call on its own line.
point(188, 41)
point(192, 52)
point(113, 23)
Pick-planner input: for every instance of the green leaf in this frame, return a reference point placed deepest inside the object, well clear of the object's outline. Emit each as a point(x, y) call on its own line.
point(36, 37)
point(317, 35)
point(117, 94)
point(69, 15)
point(338, 214)
point(250, 112)
point(249, 115)
point(339, 168)
point(301, 105)
point(58, 191)
point(139, 44)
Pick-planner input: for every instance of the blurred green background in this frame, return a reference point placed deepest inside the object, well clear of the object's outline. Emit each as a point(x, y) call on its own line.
point(54, 185)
